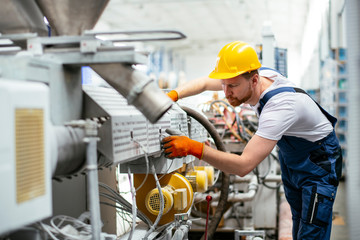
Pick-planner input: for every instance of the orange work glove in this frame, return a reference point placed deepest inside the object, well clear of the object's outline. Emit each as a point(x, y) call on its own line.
point(181, 146)
point(173, 95)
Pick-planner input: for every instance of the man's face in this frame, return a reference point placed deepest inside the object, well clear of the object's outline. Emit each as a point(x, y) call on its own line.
point(237, 90)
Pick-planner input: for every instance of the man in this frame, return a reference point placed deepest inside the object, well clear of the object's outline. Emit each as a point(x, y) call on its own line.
point(309, 152)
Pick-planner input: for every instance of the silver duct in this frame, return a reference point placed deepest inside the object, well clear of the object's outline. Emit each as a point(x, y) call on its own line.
point(353, 141)
point(137, 88)
point(71, 150)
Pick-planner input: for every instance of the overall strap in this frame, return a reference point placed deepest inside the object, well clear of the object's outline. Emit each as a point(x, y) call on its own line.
point(272, 93)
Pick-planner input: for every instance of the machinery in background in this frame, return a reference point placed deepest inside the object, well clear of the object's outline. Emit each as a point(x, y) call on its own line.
point(253, 200)
point(58, 132)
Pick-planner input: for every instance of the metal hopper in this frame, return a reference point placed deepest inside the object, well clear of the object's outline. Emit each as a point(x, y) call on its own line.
point(69, 17)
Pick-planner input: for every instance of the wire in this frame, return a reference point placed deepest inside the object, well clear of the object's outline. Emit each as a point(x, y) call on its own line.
point(114, 196)
point(133, 205)
point(147, 164)
point(167, 170)
point(152, 228)
point(112, 205)
point(84, 228)
point(65, 225)
point(48, 229)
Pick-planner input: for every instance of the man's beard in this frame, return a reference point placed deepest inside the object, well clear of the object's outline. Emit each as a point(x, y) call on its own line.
point(237, 102)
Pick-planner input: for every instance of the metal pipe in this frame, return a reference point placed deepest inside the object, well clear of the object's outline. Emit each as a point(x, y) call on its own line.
point(92, 177)
point(137, 88)
point(247, 178)
point(233, 197)
point(70, 149)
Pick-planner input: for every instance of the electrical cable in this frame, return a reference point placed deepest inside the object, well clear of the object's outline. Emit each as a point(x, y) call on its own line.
point(133, 194)
point(123, 202)
point(147, 164)
point(84, 230)
point(112, 205)
point(48, 229)
point(152, 228)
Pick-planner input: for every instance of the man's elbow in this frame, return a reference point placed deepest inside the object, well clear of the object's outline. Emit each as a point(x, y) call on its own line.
point(243, 172)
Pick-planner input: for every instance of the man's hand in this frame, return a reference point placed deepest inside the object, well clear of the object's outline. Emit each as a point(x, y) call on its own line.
point(173, 95)
point(181, 146)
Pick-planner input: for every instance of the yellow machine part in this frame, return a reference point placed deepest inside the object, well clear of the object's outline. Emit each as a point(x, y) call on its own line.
point(174, 181)
point(198, 180)
point(210, 173)
point(152, 201)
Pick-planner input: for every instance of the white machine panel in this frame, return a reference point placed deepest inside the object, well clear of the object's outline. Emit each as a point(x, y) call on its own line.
point(25, 160)
point(127, 128)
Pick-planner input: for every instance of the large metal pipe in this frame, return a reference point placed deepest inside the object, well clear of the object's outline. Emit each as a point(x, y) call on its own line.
point(137, 88)
point(71, 150)
point(353, 140)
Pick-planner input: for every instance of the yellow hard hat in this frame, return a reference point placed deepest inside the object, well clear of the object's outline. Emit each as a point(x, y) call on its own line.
point(234, 59)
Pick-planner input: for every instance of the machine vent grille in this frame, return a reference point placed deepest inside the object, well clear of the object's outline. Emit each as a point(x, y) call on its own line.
point(30, 166)
point(155, 202)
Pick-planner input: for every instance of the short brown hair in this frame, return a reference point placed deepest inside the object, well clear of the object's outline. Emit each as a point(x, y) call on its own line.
point(249, 75)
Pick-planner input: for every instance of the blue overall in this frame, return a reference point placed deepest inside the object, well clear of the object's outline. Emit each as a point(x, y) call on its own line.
point(310, 174)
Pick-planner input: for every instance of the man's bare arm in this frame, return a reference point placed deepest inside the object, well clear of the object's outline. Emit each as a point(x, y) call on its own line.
point(257, 149)
point(197, 86)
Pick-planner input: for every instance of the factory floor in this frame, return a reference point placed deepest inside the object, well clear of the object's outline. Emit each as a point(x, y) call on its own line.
point(339, 227)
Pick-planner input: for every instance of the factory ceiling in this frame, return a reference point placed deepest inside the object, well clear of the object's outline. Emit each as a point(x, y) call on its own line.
point(208, 24)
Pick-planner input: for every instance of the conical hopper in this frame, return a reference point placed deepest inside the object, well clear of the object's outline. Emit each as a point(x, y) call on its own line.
point(72, 17)
point(18, 16)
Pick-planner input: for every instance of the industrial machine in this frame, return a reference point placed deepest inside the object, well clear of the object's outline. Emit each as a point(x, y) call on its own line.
point(59, 134)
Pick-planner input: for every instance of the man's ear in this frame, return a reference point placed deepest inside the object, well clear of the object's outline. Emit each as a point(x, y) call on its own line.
point(255, 79)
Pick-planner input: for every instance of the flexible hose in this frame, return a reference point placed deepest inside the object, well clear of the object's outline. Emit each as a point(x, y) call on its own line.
point(225, 180)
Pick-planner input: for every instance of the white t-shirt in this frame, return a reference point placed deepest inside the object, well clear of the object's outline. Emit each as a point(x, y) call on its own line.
point(290, 114)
